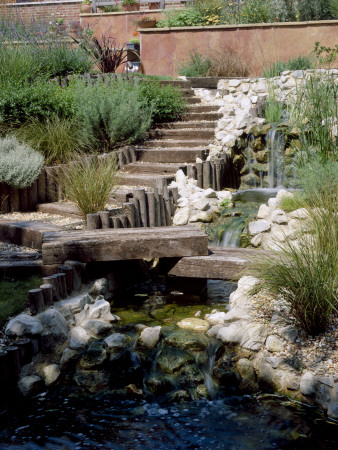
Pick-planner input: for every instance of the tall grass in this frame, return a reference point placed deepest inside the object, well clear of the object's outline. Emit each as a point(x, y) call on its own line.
point(89, 182)
point(304, 272)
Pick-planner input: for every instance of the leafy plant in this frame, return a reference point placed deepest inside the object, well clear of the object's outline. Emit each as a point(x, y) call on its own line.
point(108, 9)
point(301, 62)
point(89, 182)
point(166, 102)
point(181, 18)
point(197, 66)
point(304, 274)
point(20, 165)
point(314, 10)
point(134, 41)
point(283, 11)
point(289, 204)
point(273, 111)
point(56, 138)
point(326, 56)
point(254, 11)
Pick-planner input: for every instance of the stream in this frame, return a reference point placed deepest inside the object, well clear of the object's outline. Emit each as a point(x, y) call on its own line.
point(65, 419)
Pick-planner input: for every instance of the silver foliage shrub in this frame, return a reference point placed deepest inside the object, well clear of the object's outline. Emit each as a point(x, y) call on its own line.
point(20, 165)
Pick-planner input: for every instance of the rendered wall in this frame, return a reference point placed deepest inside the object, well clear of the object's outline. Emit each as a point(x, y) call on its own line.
point(163, 49)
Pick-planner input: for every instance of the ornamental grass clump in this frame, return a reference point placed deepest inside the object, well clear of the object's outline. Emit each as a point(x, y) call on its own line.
point(20, 165)
point(89, 181)
point(303, 272)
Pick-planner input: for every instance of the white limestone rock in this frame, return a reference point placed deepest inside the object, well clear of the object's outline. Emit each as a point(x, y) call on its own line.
point(256, 241)
point(216, 318)
point(263, 212)
point(232, 333)
point(259, 226)
point(224, 195)
point(209, 193)
point(116, 341)
point(279, 216)
point(194, 324)
point(203, 216)
point(79, 338)
point(229, 140)
point(73, 305)
point(234, 83)
point(150, 337)
point(182, 202)
point(31, 385)
point(201, 205)
point(253, 336)
point(299, 214)
point(23, 324)
point(181, 216)
point(274, 344)
point(51, 373)
point(96, 327)
point(100, 287)
point(308, 384)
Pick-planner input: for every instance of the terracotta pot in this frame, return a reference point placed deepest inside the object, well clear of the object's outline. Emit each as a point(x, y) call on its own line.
point(147, 24)
point(86, 9)
point(154, 6)
point(134, 7)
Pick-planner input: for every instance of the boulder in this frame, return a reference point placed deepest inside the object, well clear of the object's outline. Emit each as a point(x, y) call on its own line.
point(253, 336)
point(216, 318)
point(256, 241)
point(96, 327)
point(73, 305)
point(149, 337)
point(278, 216)
point(31, 385)
point(117, 341)
point(213, 331)
point(99, 310)
point(332, 410)
point(201, 205)
point(259, 226)
point(23, 324)
point(187, 340)
point(194, 324)
point(181, 216)
point(210, 193)
point(69, 355)
point(308, 384)
point(100, 287)
point(92, 380)
point(263, 212)
point(51, 373)
point(232, 333)
point(53, 322)
point(288, 333)
point(171, 360)
point(274, 344)
point(94, 357)
point(78, 338)
point(224, 195)
point(299, 214)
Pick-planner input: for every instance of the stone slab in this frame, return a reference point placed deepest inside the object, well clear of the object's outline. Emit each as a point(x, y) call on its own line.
point(123, 244)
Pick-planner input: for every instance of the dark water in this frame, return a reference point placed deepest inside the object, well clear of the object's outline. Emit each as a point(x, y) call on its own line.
point(63, 419)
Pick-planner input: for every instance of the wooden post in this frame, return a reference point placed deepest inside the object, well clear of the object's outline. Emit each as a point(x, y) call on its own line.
point(36, 301)
point(174, 192)
point(93, 222)
point(199, 169)
point(51, 189)
point(4, 198)
point(140, 195)
point(42, 187)
point(14, 199)
point(213, 174)
point(25, 350)
point(105, 219)
point(206, 174)
point(151, 209)
point(55, 285)
point(124, 221)
point(68, 271)
point(122, 159)
point(23, 200)
point(62, 284)
point(157, 208)
point(129, 212)
point(77, 273)
point(116, 222)
point(32, 195)
point(13, 363)
point(47, 291)
point(218, 173)
point(4, 373)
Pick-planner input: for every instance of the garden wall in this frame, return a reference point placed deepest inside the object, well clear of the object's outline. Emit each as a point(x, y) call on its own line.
point(163, 49)
point(119, 25)
point(68, 10)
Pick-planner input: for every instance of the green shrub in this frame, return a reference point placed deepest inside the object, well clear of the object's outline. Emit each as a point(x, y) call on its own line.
point(315, 112)
point(301, 62)
point(166, 102)
point(289, 204)
point(111, 114)
point(283, 11)
point(334, 8)
point(181, 18)
point(108, 9)
point(254, 11)
point(20, 165)
point(19, 103)
point(305, 273)
point(89, 182)
point(56, 138)
point(273, 111)
point(197, 66)
point(315, 10)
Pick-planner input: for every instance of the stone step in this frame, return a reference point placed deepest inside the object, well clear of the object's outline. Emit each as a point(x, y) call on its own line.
point(183, 134)
point(187, 124)
point(177, 83)
point(175, 143)
point(173, 155)
point(192, 100)
point(153, 168)
point(198, 116)
point(187, 92)
point(202, 108)
point(142, 180)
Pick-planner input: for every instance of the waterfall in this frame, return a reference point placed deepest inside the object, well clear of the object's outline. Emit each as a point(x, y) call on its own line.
point(276, 163)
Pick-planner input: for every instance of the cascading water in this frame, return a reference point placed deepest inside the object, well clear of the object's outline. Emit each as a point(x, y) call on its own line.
point(276, 159)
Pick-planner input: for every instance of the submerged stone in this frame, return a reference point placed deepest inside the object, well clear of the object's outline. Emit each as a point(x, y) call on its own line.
point(170, 359)
point(92, 380)
point(194, 324)
point(187, 340)
point(95, 356)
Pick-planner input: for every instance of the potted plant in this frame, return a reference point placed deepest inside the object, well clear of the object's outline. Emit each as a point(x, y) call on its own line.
point(134, 44)
point(86, 7)
point(130, 5)
point(146, 21)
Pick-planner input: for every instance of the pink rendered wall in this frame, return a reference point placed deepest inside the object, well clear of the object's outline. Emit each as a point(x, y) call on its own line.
point(162, 50)
point(118, 25)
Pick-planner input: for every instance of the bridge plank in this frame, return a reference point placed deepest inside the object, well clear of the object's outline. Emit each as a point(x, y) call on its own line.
point(221, 264)
point(123, 244)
